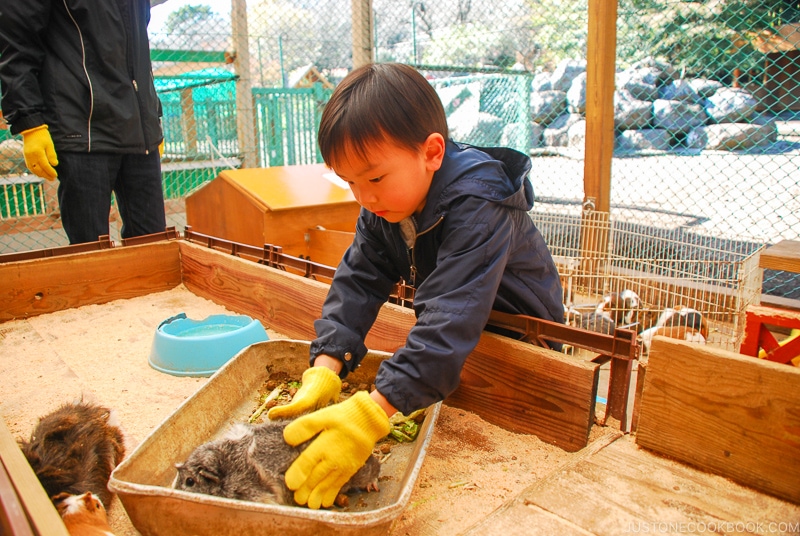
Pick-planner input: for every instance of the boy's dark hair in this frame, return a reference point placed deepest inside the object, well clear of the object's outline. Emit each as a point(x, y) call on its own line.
point(380, 102)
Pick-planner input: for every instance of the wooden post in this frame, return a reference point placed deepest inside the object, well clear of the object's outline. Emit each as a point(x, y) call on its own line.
point(600, 71)
point(188, 122)
point(362, 32)
point(245, 116)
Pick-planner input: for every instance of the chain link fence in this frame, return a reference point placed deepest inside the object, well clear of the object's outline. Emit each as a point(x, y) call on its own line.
point(706, 107)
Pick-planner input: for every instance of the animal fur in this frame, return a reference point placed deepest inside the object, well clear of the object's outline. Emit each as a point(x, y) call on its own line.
point(599, 323)
point(682, 323)
point(249, 464)
point(74, 449)
point(83, 515)
point(620, 308)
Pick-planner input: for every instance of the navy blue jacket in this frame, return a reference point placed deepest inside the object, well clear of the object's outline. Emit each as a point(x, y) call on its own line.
point(83, 68)
point(476, 249)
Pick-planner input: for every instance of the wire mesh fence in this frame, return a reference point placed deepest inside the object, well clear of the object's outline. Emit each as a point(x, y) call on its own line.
point(644, 277)
point(706, 107)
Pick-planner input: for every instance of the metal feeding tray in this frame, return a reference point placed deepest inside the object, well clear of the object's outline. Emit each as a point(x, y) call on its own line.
point(144, 479)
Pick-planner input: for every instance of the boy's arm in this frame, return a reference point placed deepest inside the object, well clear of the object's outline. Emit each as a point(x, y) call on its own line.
point(452, 306)
point(362, 284)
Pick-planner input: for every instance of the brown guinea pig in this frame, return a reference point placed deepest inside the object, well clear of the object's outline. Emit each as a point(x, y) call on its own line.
point(74, 449)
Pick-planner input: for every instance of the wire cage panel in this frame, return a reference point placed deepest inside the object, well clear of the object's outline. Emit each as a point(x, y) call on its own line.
point(622, 274)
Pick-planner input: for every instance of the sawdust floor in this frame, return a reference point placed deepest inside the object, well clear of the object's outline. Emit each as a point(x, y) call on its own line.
point(476, 477)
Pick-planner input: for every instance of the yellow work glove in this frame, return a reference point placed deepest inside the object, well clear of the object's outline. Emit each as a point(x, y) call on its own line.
point(161, 148)
point(347, 432)
point(321, 386)
point(40, 154)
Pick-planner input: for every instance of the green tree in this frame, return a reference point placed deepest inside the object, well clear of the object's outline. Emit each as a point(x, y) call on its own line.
point(186, 17)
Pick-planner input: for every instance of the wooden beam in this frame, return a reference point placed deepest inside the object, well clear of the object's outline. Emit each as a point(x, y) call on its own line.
point(286, 302)
point(529, 389)
point(600, 72)
point(37, 507)
point(245, 113)
point(785, 255)
point(362, 32)
point(725, 413)
point(34, 287)
point(188, 122)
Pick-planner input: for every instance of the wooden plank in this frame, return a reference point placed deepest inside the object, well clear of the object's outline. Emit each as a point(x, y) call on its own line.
point(523, 515)
point(528, 389)
point(514, 385)
point(785, 255)
point(26, 224)
point(621, 489)
point(12, 513)
point(725, 413)
point(39, 509)
point(41, 286)
point(285, 302)
point(328, 246)
point(521, 519)
point(219, 209)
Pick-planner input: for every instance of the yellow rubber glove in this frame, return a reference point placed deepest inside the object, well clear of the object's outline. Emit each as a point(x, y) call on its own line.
point(40, 154)
point(321, 386)
point(347, 432)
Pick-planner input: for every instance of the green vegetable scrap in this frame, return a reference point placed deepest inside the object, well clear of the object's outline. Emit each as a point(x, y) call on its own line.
point(405, 428)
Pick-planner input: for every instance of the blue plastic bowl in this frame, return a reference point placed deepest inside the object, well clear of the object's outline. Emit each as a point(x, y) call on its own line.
point(186, 347)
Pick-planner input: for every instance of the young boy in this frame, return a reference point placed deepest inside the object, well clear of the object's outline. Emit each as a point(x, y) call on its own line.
point(449, 219)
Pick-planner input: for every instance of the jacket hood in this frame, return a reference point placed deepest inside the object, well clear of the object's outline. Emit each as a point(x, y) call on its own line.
point(496, 174)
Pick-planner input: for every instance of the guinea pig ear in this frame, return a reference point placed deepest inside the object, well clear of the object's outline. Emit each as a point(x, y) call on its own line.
point(60, 497)
point(209, 475)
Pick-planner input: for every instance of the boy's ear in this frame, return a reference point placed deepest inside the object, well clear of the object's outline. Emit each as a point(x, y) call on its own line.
point(434, 151)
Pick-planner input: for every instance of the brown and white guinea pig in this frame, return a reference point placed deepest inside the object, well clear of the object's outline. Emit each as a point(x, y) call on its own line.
point(249, 464)
point(681, 323)
point(620, 307)
point(83, 515)
point(74, 449)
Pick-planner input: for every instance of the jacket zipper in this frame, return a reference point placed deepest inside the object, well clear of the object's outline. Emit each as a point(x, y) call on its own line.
point(88, 78)
point(411, 257)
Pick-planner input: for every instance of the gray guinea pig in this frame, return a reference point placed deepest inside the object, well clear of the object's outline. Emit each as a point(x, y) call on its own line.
point(249, 464)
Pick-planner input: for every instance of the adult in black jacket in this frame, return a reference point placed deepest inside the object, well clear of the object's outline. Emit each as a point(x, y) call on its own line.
point(77, 83)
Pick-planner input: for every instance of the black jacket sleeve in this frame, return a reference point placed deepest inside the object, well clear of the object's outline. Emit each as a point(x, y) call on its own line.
point(22, 53)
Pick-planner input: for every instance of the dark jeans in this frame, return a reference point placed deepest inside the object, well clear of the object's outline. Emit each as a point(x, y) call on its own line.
point(86, 181)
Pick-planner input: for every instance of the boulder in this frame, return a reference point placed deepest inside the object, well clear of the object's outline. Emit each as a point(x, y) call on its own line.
point(630, 112)
point(565, 73)
point(546, 106)
point(576, 96)
point(732, 136)
point(730, 105)
point(555, 135)
point(677, 116)
point(679, 90)
point(649, 139)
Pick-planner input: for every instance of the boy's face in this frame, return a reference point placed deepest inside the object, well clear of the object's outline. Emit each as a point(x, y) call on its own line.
point(392, 181)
